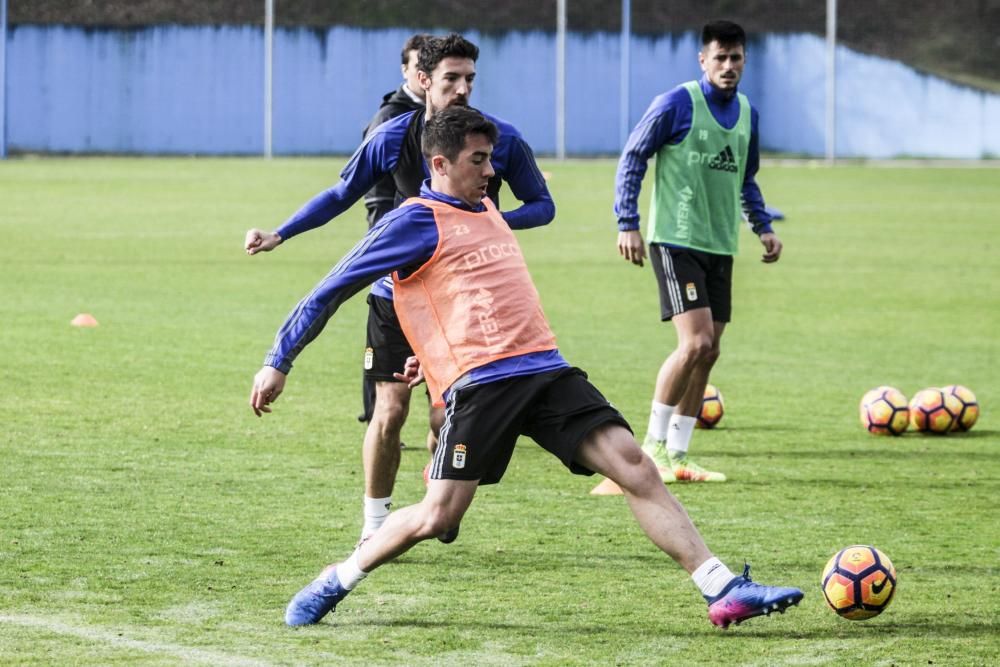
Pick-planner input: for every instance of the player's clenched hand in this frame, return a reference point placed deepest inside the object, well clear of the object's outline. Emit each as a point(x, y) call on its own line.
point(413, 373)
point(257, 240)
point(631, 246)
point(772, 248)
point(267, 386)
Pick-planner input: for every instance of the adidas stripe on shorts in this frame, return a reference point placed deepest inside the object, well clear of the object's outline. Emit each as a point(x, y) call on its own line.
point(689, 279)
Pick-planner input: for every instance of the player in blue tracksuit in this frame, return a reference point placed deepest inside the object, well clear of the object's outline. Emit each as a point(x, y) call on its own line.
point(668, 121)
point(704, 135)
point(504, 382)
point(389, 245)
point(447, 69)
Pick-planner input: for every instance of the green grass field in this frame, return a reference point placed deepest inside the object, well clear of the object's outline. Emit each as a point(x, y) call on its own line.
point(146, 517)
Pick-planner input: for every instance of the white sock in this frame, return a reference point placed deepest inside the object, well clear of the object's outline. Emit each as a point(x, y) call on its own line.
point(659, 416)
point(679, 434)
point(349, 573)
point(376, 510)
point(711, 577)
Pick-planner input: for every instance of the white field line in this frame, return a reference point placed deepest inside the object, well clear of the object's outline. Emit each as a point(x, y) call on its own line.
point(185, 653)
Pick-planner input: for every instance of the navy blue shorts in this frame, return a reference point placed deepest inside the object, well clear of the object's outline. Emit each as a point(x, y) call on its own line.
point(386, 348)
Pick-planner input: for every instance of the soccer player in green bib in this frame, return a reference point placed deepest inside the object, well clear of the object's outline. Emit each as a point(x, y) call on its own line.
point(704, 137)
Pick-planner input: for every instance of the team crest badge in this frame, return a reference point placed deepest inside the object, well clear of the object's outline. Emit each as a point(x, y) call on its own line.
point(692, 293)
point(458, 457)
point(369, 358)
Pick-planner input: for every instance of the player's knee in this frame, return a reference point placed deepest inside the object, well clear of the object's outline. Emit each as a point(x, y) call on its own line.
point(713, 355)
point(390, 411)
point(699, 349)
point(438, 520)
point(637, 472)
point(632, 455)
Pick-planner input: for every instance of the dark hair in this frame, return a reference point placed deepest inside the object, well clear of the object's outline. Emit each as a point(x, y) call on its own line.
point(446, 130)
point(414, 43)
point(726, 33)
point(437, 49)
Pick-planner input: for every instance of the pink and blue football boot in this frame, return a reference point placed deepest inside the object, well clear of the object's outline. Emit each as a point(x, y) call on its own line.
point(742, 599)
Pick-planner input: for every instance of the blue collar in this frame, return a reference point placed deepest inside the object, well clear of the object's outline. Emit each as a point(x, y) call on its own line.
point(715, 95)
point(426, 192)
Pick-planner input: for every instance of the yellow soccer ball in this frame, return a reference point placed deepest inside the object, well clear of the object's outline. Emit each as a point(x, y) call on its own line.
point(712, 408)
point(859, 582)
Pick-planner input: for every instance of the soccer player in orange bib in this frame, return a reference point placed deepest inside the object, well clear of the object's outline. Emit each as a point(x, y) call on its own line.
point(471, 312)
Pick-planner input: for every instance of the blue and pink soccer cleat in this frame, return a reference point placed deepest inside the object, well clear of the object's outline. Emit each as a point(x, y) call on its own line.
point(742, 599)
point(317, 599)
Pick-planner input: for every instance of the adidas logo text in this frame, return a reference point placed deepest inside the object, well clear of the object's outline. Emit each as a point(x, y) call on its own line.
point(723, 161)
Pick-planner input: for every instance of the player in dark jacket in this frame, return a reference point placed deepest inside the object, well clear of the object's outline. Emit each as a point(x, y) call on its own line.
point(408, 97)
point(382, 198)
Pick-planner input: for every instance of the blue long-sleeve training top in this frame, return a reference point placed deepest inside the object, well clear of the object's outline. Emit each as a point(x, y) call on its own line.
point(402, 241)
point(667, 121)
point(396, 145)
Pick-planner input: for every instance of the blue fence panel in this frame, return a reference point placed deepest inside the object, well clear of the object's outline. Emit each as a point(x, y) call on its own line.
point(515, 81)
point(657, 66)
point(327, 85)
point(988, 126)
point(161, 90)
point(889, 109)
point(177, 89)
point(785, 79)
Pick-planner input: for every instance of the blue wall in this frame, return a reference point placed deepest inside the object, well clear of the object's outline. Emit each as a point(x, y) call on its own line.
point(173, 89)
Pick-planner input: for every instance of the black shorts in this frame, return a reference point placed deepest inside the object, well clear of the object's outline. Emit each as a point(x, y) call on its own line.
point(556, 409)
point(690, 279)
point(386, 348)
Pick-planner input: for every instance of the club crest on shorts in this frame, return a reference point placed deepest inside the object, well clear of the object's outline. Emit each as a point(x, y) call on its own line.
point(458, 457)
point(369, 358)
point(692, 293)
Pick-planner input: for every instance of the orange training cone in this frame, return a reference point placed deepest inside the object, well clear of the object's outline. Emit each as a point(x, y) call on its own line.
point(84, 320)
point(606, 488)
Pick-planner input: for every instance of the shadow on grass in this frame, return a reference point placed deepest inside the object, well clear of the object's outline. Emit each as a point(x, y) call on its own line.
point(909, 437)
point(764, 428)
point(973, 435)
point(758, 628)
point(928, 629)
point(526, 559)
point(874, 452)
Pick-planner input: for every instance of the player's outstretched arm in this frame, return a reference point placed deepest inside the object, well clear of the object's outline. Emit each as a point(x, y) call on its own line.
point(257, 240)
point(772, 247)
point(406, 237)
point(631, 246)
point(373, 160)
point(267, 386)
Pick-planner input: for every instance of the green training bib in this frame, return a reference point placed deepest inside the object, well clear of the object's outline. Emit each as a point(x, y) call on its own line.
point(696, 198)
